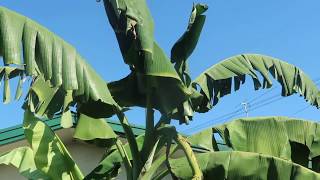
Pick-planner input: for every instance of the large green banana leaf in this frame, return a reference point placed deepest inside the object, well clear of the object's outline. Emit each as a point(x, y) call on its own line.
point(283, 137)
point(45, 54)
point(23, 159)
point(216, 81)
point(181, 51)
point(184, 47)
point(242, 165)
point(50, 155)
point(151, 69)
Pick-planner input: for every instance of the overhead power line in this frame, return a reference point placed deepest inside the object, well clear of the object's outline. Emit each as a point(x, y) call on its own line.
point(300, 110)
point(253, 107)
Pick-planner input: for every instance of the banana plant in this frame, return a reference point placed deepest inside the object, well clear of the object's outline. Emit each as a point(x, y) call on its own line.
point(61, 79)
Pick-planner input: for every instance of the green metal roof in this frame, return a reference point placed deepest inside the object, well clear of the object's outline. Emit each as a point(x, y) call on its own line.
point(16, 133)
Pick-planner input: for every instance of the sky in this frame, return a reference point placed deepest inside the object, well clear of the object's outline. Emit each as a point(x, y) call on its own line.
point(287, 29)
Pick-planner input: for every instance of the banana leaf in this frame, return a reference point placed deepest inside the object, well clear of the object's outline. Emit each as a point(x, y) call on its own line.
point(110, 165)
point(44, 99)
point(8, 73)
point(45, 54)
point(184, 47)
point(50, 155)
point(23, 159)
point(96, 131)
point(283, 137)
point(241, 165)
point(151, 68)
point(197, 141)
point(204, 140)
point(216, 81)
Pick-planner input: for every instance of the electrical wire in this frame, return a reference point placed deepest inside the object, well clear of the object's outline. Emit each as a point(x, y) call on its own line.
point(301, 110)
point(254, 106)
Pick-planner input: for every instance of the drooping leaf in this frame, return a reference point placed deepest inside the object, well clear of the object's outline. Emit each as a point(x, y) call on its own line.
point(216, 81)
point(66, 118)
point(46, 100)
point(23, 159)
point(242, 165)
point(7, 73)
point(111, 163)
point(283, 137)
point(89, 128)
point(19, 87)
point(50, 154)
point(47, 55)
point(151, 68)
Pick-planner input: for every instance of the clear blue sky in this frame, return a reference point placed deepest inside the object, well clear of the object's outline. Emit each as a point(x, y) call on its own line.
point(287, 29)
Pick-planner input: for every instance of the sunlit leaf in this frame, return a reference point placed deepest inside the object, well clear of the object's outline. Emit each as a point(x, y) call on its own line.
point(242, 165)
point(216, 81)
point(89, 128)
point(23, 159)
point(7, 73)
point(283, 137)
point(50, 154)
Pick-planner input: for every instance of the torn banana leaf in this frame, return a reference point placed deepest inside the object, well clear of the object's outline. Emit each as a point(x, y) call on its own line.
point(45, 99)
point(23, 159)
point(241, 165)
point(51, 156)
point(181, 51)
point(184, 47)
point(151, 68)
point(287, 138)
point(45, 54)
point(111, 163)
point(216, 81)
point(7, 73)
